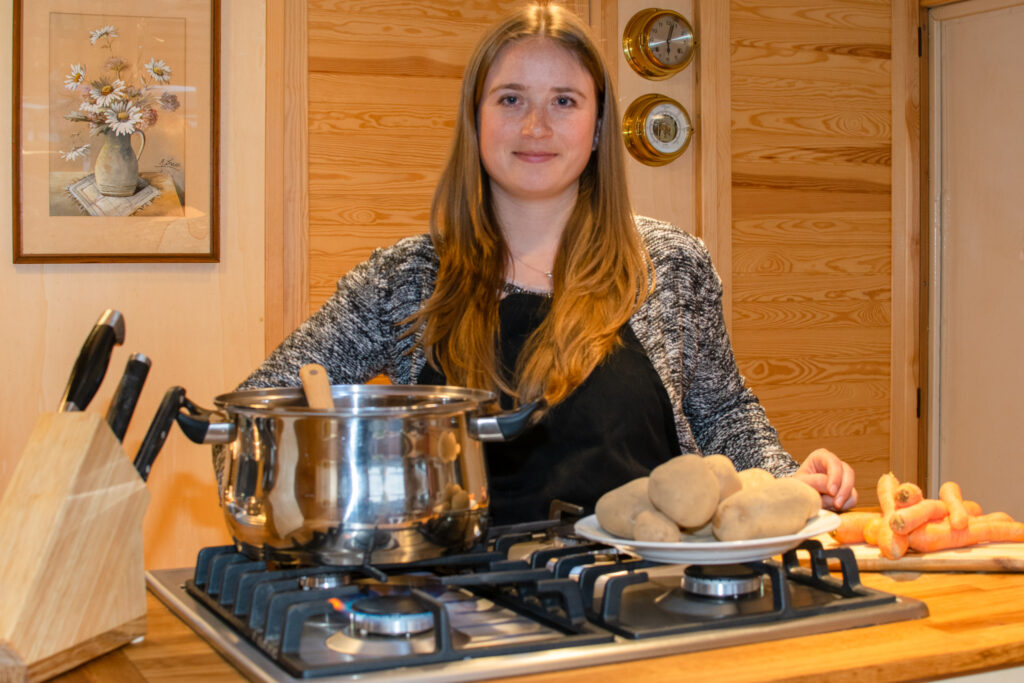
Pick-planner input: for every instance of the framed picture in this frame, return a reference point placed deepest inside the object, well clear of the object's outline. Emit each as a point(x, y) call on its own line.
point(115, 131)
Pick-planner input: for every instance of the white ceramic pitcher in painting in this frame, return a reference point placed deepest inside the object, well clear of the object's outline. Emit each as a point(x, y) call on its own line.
point(117, 165)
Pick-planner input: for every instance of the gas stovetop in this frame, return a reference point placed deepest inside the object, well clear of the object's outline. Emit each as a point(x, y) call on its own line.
point(527, 602)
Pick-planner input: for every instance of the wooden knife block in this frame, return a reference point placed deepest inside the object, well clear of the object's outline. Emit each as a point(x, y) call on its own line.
point(72, 576)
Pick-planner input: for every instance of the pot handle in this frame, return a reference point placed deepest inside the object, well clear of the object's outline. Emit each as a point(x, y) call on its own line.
point(507, 426)
point(202, 426)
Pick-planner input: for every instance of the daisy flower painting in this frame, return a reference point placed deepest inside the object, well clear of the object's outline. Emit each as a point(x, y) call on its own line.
point(117, 77)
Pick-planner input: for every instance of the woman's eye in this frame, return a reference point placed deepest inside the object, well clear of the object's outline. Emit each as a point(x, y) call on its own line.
point(565, 101)
point(509, 99)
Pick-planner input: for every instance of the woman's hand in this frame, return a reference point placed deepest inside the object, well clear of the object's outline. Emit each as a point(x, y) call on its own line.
point(823, 471)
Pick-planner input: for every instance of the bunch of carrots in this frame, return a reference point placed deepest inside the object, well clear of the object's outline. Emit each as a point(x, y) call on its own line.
point(909, 521)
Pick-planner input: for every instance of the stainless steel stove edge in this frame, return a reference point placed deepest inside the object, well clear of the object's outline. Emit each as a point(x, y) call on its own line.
point(168, 586)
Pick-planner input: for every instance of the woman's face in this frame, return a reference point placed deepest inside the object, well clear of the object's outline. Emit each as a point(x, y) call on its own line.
point(537, 119)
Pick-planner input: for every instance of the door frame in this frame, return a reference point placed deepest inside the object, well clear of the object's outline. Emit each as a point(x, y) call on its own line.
point(933, 14)
point(286, 261)
point(905, 366)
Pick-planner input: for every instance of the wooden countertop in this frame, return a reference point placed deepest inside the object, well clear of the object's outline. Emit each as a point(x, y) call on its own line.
point(976, 623)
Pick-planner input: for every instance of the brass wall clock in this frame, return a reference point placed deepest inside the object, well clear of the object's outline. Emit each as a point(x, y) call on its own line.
point(656, 129)
point(658, 43)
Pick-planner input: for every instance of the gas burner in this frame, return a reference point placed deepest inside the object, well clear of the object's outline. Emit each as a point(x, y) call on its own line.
point(377, 647)
point(678, 602)
point(722, 581)
point(390, 615)
point(315, 582)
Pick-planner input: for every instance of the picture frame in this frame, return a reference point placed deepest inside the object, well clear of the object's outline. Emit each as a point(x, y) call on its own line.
point(116, 131)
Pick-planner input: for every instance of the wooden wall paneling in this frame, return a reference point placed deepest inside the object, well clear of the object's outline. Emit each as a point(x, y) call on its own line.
point(287, 198)
point(811, 209)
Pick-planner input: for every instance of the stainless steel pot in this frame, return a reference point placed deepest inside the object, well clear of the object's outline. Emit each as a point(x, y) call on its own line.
point(393, 474)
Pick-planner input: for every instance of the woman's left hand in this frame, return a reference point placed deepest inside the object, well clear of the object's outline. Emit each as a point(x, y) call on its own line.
point(823, 471)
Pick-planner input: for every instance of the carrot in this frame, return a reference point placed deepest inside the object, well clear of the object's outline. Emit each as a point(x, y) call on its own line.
point(886, 490)
point(851, 526)
point(994, 516)
point(871, 530)
point(949, 493)
point(973, 507)
point(908, 494)
point(907, 519)
point(941, 535)
point(892, 545)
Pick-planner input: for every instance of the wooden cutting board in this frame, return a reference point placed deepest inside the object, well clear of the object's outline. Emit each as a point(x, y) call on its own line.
point(985, 557)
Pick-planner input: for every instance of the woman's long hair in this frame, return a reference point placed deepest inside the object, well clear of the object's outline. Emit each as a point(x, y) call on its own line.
point(601, 272)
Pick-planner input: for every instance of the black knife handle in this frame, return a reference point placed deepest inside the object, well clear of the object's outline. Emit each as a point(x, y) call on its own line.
point(91, 365)
point(170, 405)
point(122, 406)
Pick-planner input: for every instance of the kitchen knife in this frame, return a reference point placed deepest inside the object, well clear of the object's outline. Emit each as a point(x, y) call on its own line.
point(122, 406)
point(91, 365)
point(170, 405)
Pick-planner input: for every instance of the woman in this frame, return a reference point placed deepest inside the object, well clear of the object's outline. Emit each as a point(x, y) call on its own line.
point(537, 281)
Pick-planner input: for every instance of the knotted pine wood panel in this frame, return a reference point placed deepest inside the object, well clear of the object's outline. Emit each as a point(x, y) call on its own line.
point(811, 257)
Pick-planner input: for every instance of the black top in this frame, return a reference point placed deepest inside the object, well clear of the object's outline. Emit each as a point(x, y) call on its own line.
point(615, 427)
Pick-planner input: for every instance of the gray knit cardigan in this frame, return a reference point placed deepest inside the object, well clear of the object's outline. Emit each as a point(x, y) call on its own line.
point(356, 335)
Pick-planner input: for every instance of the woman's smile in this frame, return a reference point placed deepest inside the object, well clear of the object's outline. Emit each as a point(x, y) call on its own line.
point(534, 157)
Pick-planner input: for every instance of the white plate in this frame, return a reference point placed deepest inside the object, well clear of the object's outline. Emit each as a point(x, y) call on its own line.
point(710, 552)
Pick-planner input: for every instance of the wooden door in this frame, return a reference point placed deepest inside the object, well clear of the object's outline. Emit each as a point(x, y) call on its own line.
point(818, 273)
point(977, 303)
point(384, 80)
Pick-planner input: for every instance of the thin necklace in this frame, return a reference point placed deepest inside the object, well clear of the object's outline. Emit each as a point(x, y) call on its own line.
point(546, 273)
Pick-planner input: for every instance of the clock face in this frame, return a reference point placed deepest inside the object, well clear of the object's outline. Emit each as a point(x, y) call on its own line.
point(670, 41)
point(658, 43)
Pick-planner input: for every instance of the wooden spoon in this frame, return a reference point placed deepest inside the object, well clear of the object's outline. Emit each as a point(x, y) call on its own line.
point(287, 515)
point(322, 439)
point(316, 386)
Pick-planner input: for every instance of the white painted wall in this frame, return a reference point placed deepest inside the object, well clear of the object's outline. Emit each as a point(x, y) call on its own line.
point(201, 324)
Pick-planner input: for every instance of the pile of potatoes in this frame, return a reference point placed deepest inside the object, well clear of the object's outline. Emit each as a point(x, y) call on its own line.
point(696, 498)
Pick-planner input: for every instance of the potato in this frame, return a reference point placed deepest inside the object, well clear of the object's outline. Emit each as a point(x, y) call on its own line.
point(729, 481)
point(812, 499)
point(651, 525)
point(685, 490)
point(777, 508)
point(754, 477)
point(617, 510)
point(702, 532)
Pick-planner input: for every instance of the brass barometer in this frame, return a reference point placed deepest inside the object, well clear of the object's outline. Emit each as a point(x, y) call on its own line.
point(656, 129)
